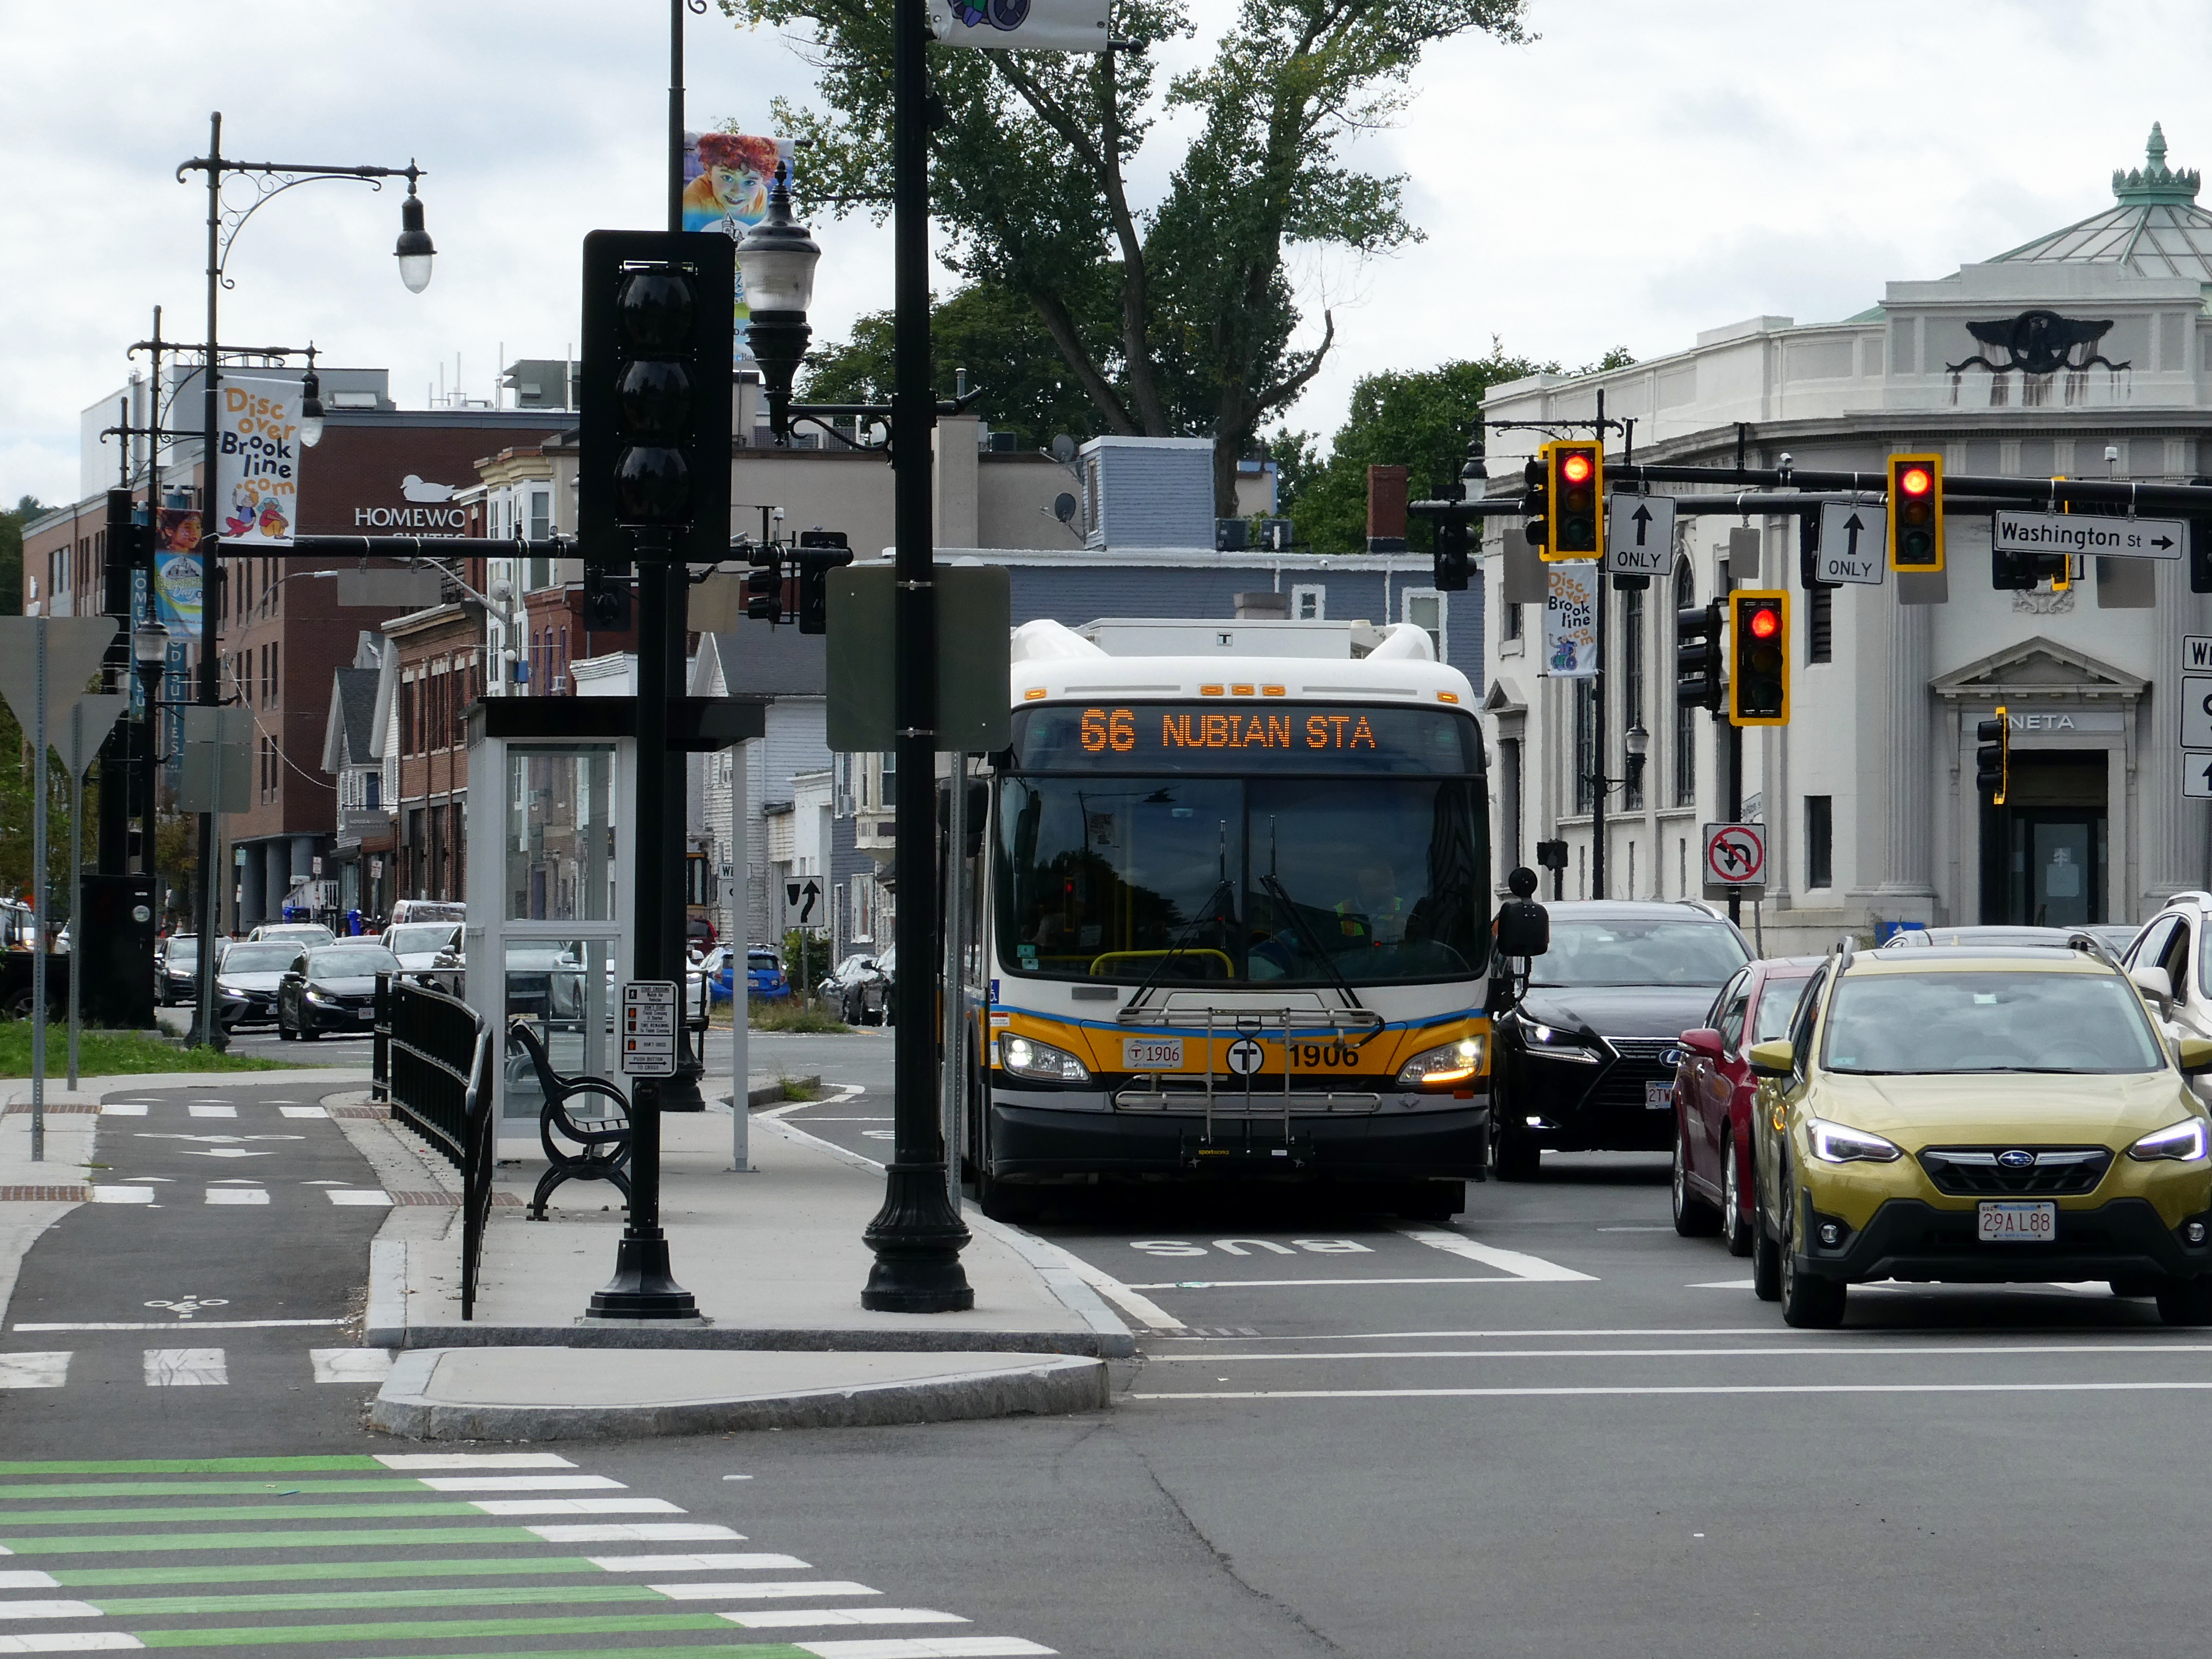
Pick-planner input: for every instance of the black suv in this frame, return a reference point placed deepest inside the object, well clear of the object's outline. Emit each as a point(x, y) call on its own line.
point(1585, 1061)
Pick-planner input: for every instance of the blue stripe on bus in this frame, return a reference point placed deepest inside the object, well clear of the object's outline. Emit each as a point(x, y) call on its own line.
point(1297, 1032)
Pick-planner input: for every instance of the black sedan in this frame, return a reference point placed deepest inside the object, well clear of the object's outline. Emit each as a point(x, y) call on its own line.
point(1585, 1061)
point(333, 989)
point(247, 976)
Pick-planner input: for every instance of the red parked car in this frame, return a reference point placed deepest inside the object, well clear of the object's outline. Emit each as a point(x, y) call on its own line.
point(1712, 1098)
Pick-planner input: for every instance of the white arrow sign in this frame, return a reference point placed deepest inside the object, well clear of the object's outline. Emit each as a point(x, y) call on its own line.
point(2079, 534)
point(1639, 536)
point(2197, 777)
point(1852, 543)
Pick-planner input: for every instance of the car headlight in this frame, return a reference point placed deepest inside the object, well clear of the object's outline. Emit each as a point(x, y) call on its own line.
point(1836, 1143)
point(322, 999)
point(1550, 1041)
point(1028, 1058)
point(2183, 1142)
point(1438, 1067)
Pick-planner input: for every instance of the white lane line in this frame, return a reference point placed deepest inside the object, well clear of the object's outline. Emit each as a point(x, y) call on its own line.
point(666, 1532)
point(351, 1364)
point(238, 1195)
point(306, 1112)
point(759, 1563)
point(575, 1506)
point(940, 1647)
point(199, 1110)
point(28, 1581)
point(122, 1194)
point(34, 1370)
point(796, 1618)
point(83, 1641)
point(1721, 1284)
point(357, 1195)
point(1307, 1283)
point(48, 1610)
point(1704, 1389)
point(182, 1324)
point(522, 1483)
point(122, 1109)
point(186, 1367)
point(410, 1461)
point(1143, 1309)
point(784, 1590)
point(1510, 1261)
point(1825, 1350)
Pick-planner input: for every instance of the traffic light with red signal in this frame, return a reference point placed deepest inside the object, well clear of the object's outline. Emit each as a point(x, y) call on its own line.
point(1574, 498)
point(1758, 657)
point(1915, 513)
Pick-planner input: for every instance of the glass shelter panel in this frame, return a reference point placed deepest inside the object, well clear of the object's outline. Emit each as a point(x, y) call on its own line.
point(560, 839)
point(565, 989)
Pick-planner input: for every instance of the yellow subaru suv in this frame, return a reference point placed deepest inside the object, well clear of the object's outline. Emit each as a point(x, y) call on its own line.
point(1980, 1115)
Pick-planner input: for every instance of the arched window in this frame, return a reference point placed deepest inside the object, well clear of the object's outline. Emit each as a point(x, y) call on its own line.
point(1686, 718)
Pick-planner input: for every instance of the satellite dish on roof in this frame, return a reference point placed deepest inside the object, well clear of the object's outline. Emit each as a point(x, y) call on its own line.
point(1063, 508)
point(1063, 449)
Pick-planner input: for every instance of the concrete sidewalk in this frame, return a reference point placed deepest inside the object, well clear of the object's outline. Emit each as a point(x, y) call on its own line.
point(776, 1260)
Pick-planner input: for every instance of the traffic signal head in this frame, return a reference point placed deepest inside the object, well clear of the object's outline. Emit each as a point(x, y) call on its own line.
point(1450, 562)
point(654, 422)
point(1915, 513)
point(764, 583)
point(1697, 658)
point(1536, 504)
point(1993, 757)
point(1577, 490)
point(1758, 657)
point(607, 599)
point(820, 551)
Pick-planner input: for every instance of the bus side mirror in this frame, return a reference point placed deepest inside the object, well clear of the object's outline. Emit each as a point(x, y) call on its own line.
point(1524, 928)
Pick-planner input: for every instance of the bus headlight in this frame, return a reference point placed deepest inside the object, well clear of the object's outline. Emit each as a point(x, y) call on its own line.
point(1025, 1057)
point(1444, 1067)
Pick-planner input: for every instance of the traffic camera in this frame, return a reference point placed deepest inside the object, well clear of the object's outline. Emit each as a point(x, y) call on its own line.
point(1993, 758)
point(1575, 484)
point(654, 422)
point(1915, 513)
point(1697, 658)
point(1758, 657)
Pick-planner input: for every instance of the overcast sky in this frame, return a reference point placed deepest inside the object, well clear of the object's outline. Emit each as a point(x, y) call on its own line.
point(1736, 157)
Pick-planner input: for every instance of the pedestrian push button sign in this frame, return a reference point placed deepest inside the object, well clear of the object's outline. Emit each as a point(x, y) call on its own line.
point(1736, 856)
point(649, 1028)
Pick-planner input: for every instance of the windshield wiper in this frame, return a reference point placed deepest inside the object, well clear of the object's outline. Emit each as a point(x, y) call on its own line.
point(1182, 941)
point(1276, 891)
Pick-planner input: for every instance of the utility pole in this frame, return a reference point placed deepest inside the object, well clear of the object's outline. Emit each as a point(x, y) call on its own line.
point(1599, 782)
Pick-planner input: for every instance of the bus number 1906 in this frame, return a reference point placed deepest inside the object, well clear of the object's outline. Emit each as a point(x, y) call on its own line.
point(1325, 1054)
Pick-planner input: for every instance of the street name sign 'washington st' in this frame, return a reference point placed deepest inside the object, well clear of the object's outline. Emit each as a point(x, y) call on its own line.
point(2079, 534)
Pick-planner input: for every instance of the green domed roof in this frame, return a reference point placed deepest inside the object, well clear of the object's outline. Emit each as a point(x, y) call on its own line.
point(2154, 227)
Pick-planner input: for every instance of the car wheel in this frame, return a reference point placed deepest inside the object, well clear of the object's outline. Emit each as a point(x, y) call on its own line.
point(1693, 1217)
point(1808, 1300)
point(1766, 1262)
point(2144, 1286)
point(1430, 1200)
point(2185, 1301)
point(995, 1198)
point(1733, 1223)
point(1513, 1156)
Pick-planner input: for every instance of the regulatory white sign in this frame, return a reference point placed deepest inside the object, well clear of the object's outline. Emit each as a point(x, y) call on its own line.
point(2078, 533)
point(1639, 534)
point(2195, 711)
point(1735, 854)
point(2196, 776)
point(649, 1028)
point(1853, 539)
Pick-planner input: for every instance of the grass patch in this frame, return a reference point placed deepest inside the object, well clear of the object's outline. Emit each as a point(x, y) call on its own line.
point(111, 1054)
point(786, 1017)
point(797, 1088)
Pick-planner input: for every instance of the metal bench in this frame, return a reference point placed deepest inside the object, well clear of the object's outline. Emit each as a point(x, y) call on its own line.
point(603, 1137)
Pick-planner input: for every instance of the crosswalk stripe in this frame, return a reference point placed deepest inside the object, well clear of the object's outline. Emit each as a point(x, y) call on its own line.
point(28, 1581)
point(942, 1647)
point(430, 1630)
point(1510, 1261)
point(238, 1195)
point(48, 1610)
point(350, 1364)
point(575, 1506)
point(675, 1532)
point(123, 1195)
point(75, 1641)
point(362, 1538)
point(522, 1483)
point(306, 1112)
point(328, 1464)
point(799, 1618)
point(200, 1110)
point(34, 1370)
point(123, 1108)
point(224, 1512)
point(760, 1563)
point(774, 1591)
point(186, 1368)
point(471, 1460)
point(274, 1572)
point(357, 1195)
point(333, 1601)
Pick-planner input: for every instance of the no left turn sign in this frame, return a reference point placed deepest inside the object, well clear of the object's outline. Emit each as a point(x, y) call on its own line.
point(1735, 854)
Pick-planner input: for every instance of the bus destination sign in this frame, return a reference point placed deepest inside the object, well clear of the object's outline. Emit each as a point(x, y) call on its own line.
point(1216, 736)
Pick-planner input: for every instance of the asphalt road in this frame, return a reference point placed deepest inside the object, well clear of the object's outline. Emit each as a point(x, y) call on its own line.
point(1552, 1428)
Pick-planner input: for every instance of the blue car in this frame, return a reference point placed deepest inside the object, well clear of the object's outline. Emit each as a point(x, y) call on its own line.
point(764, 976)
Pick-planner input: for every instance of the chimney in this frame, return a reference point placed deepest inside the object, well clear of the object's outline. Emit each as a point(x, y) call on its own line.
point(1385, 510)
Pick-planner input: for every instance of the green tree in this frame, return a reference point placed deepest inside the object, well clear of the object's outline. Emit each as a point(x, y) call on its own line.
point(1030, 183)
point(11, 553)
point(1421, 420)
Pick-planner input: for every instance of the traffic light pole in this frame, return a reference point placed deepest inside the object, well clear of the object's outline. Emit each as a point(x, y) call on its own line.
point(917, 1235)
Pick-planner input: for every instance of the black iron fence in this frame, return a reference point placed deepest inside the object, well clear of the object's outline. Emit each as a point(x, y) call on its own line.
point(437, 1061)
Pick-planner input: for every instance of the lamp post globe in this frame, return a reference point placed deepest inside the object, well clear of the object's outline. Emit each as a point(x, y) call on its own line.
point(415, 249)
point(311, 408)
point(149, 643)
point(775, 262)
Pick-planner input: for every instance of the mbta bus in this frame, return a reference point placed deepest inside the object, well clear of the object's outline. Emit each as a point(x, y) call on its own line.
point(1236, 915)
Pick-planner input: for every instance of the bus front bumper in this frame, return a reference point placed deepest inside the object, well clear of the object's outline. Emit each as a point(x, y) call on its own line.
point(1032, 1142)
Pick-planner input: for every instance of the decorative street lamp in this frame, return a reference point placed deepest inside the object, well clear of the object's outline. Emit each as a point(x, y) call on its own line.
point(311, 404)
point(776, 259)
point(415, 251)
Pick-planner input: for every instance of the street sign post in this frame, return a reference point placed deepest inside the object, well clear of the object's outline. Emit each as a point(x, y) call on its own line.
point(1735, 858)
point(2078, 533)
point(1639, 536)
point(1852, 538)
point(649, 1028)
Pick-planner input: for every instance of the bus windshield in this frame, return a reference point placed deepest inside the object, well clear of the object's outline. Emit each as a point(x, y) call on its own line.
point(1242, 881)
